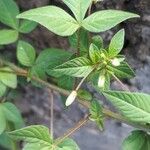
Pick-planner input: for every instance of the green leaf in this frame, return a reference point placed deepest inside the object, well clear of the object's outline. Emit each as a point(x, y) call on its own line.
point(2, 120)
point(5, 141)
point(98, 41)
point(122, 71)
point(53, 18)
point(96, 114)
point(8, 36)
point(33, 134)
point(78, 67)
point(2, 89)
point(78, 7)
point(137, 140)
point(66, 82)
point(26, 53)
point(68, 144)
point(8, 12)
point(134, 106)
point(7, 78)
point(12, 114)
point(27, 26)
point(84, 41)
point(105, 20)
point(94, 53)
point(50, 58)
point(116, 43)
point(84, 95)
point(35, 146)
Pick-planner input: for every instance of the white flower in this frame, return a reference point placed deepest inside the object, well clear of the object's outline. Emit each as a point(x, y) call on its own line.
point(71, 98)
point(115, 62)
point(101, 81)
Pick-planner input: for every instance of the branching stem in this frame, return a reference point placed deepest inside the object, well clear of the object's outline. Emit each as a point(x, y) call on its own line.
point(107, 112)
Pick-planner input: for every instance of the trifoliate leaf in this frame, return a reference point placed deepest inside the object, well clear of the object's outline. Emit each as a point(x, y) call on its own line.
point(78, 7)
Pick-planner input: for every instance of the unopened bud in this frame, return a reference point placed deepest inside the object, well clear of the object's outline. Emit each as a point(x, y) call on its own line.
point(101, 81)
point(115, 62)
point(71, 98)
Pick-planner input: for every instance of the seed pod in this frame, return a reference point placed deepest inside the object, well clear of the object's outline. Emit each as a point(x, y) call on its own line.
point(71, 98)
point(101, 81)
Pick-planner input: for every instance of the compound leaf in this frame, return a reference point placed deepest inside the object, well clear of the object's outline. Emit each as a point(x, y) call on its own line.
point(78, 7)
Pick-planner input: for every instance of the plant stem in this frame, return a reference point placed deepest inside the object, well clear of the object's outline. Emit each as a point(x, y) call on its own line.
point(72, 130)
point(78, 42)
point(120, 82)
point(77, 51)
point(106, 111)
point(51, 113)
point(90, 8)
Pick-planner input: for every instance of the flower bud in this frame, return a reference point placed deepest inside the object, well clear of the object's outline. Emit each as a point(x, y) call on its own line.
point(101, 81)
point(71, 98)
point(115, 62)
